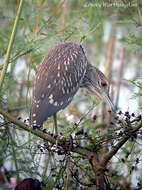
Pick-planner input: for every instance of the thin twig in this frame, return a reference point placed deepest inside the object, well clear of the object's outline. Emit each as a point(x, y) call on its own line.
point(114, 150)
point(14, 156)
point(11, 42)
point(80, 150)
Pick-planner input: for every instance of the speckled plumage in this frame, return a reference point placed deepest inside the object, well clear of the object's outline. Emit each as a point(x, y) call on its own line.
point(58, 78)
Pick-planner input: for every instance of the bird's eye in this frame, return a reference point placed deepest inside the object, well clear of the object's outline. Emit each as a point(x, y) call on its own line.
point(104, 84)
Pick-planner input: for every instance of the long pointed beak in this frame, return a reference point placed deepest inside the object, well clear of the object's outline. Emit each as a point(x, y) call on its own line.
point(107, 99)
point(104, 95)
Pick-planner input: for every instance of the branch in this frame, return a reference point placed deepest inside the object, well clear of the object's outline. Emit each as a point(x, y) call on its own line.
point(28, 128)
point(80, 150)
point(114, 150)
point(11, 41)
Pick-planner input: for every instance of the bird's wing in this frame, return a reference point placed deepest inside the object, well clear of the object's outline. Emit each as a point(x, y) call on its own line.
point(57, 80)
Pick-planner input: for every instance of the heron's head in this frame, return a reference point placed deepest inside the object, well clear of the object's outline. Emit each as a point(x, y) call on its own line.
point(96, 82)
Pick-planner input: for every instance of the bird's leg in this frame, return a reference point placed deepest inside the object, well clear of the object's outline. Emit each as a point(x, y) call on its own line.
point(55, 124)
point(55, 128)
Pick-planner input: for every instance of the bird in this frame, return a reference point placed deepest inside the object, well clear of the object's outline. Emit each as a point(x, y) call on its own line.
point(59, 76)
point(29, 184)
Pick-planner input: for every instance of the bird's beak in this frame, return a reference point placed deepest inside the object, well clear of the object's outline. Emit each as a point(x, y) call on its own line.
point(103, 95)
point(106, 98)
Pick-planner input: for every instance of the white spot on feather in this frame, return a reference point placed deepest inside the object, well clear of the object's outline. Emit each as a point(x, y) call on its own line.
point(74, 55)
point(65, 63)
point(67, 91)
point(58, 67)
point(61, 103)
point(49, 86)
point(51, 96)
point(72, 58)
point(69, 98)
point(51, 101)
point(66, 68)
point(63, 90)
point(43, 95)
point(58, 75)
point(55, 104)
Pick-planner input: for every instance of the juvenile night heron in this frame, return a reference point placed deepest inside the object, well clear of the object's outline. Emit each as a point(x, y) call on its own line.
point(62, 72)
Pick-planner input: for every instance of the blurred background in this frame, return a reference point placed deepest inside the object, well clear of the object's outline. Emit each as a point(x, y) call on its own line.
point(111, 34)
